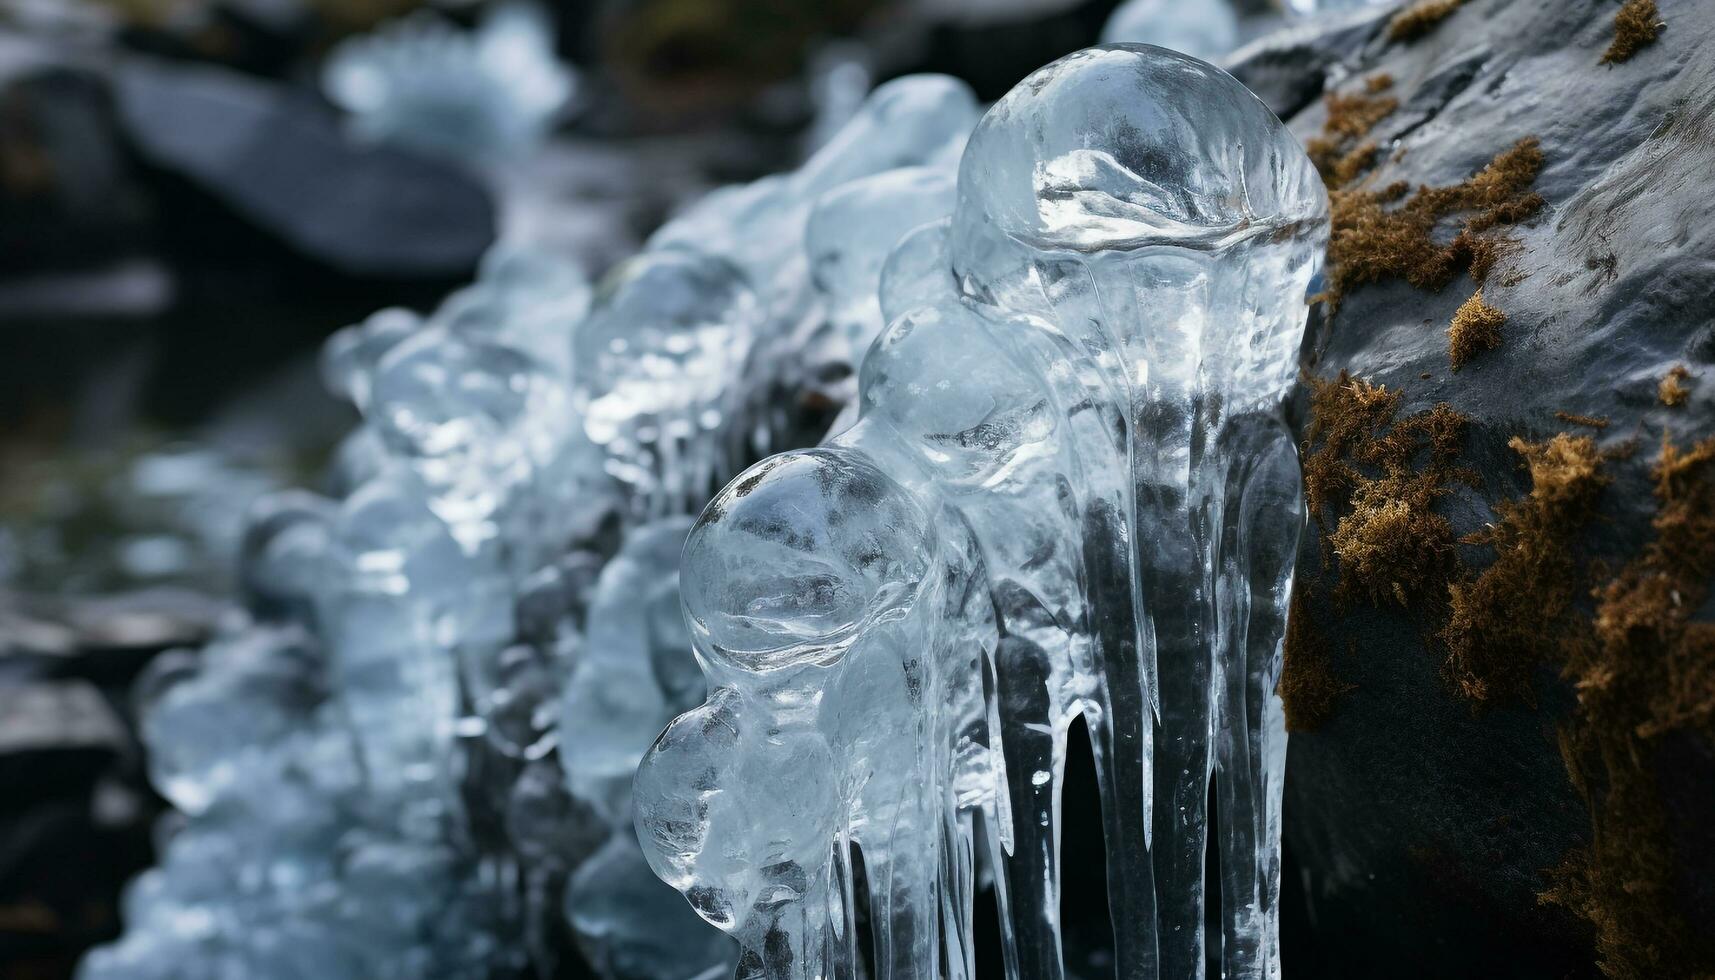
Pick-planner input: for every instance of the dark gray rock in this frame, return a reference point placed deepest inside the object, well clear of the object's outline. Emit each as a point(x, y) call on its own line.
point(70, 715)
point(1290, 68)
point(1421, 828)
point(281, 162)
point(69, 199)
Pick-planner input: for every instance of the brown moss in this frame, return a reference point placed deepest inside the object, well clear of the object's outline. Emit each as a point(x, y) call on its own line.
point(1476, 328)
point(1643, 670)
point(1672, 390)
point(1371, 482)
point(1588, 421)
point(1308, 687)
point(1344, 413)
point(1420, 18)
point(1505, 622)
point(1395, 232)
point(1635, 27)
point(1340, 152)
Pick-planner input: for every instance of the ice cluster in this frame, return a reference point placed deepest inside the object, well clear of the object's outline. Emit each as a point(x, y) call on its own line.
point(412, 755)
point(479, 95)
point(1069, 492)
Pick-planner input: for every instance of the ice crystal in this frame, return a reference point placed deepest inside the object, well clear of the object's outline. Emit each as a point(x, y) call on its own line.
point(1069, 492)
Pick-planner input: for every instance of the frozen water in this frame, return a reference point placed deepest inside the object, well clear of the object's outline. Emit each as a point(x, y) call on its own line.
point(852, 230)
point(653, 366)
point(419, 751)
point(636, 673)
point(614, 703)
point(1068, 492)
point(422, 82)
point(910, 122)
point(212, 719)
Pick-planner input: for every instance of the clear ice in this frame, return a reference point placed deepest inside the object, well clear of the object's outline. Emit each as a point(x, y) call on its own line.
point(1069, 491)
point(414, 750)
point(479, 95)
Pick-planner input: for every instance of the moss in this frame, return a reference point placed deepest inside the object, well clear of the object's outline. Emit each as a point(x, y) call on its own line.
point(1420, 18)
point(1394, 232)
point(1672, 391)
point(1308, 688)
point(1371, 482)
point(1476, 328)
point(1635, 27)
point(1340, 152)
point(1344, 413)
point(1588, 421)
point(1505, 622)
point(1643, 670)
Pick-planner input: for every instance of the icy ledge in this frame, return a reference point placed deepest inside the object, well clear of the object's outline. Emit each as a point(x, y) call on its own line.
point(1069, 491)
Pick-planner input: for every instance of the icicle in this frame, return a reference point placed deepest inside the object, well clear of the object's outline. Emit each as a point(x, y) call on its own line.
point(1068, 492)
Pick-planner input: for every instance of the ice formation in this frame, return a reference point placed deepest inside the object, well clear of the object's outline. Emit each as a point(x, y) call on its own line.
point(480, 95)
point(414, 751)
point(1069, 491)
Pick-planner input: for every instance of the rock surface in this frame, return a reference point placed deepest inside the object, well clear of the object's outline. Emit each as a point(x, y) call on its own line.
point(280, 161)
point(1425, 825)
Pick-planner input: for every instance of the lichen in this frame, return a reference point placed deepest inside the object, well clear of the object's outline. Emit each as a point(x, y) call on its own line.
point(1420, 18)
point(1635, 27)
point(1672, 391)
point(1308, 688)
point(1505, 622)
point(1476, 328)
point(1642, 670)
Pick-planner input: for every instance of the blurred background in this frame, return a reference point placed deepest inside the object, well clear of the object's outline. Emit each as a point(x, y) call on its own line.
point(193, 196)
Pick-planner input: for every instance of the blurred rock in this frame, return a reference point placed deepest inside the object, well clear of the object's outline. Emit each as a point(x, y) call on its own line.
point(282, 163)
point(1289, 69)
point(55, 735)
point(68, 197)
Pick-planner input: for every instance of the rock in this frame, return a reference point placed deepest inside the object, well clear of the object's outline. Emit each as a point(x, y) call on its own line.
point(1288, 69)
point(1426, 826)
point(56, 733)
point(103, 639)
point(68, 197)
point(282, 163)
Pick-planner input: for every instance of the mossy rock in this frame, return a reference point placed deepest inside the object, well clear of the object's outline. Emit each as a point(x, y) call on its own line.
point(1433, 820)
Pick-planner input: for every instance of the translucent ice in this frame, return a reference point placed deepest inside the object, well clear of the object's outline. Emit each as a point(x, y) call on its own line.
point(211, 720)
point(850, 233)
point(918, 121)
point(423, 82)
point(1068, 492)
point(653, 365)
point(637, 672)
point(417, 758)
